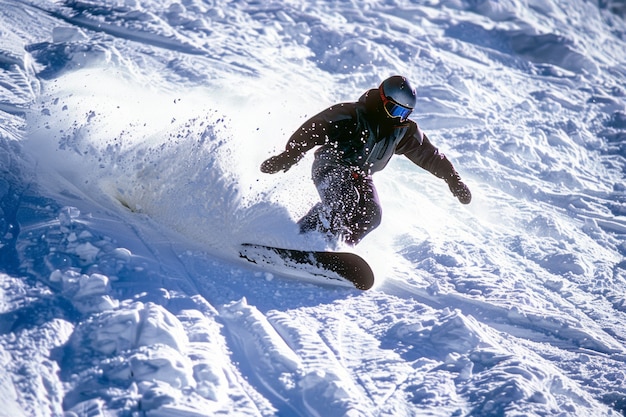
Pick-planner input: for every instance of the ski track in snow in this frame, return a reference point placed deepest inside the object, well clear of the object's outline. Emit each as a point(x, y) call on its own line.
point(130, 138)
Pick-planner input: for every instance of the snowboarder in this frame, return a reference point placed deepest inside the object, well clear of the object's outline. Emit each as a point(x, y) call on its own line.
point(357, 140)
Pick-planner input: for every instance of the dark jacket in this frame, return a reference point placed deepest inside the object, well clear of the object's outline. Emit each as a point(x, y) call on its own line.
point(360, 135)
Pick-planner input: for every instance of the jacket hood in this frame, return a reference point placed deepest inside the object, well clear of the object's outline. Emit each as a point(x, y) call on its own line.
point(372, 101)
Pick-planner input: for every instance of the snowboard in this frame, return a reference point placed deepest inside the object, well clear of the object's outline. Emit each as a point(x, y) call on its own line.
point(323, 267)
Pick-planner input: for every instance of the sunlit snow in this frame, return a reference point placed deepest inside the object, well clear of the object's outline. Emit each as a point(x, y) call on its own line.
point(131, 133)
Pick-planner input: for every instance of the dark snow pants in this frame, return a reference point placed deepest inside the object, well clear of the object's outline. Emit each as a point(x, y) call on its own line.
point(349, 209)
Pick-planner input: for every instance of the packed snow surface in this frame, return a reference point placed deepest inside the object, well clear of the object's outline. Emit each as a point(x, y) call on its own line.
point(131, 132)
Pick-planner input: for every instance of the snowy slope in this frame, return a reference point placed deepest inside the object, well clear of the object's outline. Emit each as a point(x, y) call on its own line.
point(130, 138)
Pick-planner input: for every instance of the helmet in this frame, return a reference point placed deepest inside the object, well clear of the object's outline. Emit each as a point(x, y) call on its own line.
point(398, 97)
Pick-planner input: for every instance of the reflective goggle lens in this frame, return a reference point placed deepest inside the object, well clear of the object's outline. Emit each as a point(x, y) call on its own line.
point(396, 110)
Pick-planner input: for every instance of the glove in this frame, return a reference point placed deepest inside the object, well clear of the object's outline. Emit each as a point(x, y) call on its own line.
point(459, 189)
point(280, 162)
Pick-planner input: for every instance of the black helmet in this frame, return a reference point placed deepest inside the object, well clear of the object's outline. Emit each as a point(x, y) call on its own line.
point(398, 97)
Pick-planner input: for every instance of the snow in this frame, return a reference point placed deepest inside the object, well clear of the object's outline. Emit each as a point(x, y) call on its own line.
point(130, 138)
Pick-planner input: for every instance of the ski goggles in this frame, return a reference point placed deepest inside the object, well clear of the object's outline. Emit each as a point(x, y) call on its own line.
point(394, 109)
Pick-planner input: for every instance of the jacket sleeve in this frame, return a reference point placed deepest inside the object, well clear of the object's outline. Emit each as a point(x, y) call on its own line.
point(324, 127)
point(423, 153)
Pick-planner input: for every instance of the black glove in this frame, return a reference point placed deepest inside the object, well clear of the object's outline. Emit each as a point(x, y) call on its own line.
point(459, 189)
point(280, 162)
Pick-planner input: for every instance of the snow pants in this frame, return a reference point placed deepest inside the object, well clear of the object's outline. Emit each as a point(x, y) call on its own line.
point(349, 209)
